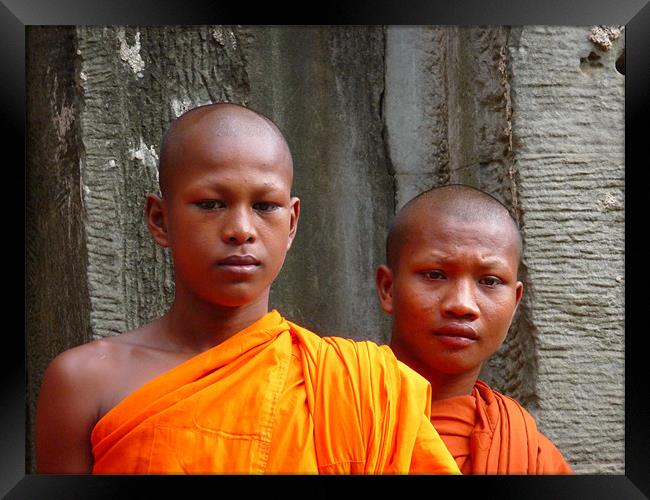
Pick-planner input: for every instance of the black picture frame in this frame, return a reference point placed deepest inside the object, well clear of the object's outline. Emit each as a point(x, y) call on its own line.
point(16, 15)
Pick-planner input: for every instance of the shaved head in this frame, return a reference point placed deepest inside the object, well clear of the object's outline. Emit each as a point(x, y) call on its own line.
point(214, 122)
point(464, 203)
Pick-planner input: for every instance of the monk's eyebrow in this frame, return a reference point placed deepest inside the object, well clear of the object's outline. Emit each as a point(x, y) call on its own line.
point(439, 255)
point(493, 261)
point(485, 262)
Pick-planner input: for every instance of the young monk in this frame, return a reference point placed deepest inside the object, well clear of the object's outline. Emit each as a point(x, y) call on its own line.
point(219, 384)
point(451, 286)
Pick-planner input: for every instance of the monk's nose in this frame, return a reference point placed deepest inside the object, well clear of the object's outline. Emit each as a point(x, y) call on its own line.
point(238, 227)
point(460, 301)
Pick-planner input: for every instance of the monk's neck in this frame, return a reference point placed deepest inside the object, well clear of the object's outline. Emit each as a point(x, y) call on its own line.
point(198, 326)
point(445, 386)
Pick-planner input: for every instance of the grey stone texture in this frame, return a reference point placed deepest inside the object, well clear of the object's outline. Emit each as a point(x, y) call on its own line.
point(331, 116)
point(568, 124)
point(58, 303)
point(373, 116)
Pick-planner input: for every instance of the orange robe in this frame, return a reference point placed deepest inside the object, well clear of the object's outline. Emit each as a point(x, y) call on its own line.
point(489, 433)
point(276, 398)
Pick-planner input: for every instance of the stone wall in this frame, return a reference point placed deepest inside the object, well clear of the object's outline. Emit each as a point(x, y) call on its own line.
point(569, 132)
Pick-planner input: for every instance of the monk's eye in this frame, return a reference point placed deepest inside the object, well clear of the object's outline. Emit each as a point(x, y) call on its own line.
point(433, 275)
point(490, 281)
point(209, 204)
point(265, 206)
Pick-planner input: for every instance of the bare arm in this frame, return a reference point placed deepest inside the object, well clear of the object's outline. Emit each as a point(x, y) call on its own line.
point(68, 408)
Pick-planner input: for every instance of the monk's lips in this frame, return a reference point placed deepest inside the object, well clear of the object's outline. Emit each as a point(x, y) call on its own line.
point(239, 264)
point(456, 335)
point(455, 341)
point(239, 260)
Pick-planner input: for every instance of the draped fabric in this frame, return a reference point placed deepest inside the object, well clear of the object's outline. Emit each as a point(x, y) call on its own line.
point(490, 433)
point(276, 398)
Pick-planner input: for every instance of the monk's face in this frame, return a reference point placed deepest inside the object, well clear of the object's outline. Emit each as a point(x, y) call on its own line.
point(229, 215)
point(452, 293)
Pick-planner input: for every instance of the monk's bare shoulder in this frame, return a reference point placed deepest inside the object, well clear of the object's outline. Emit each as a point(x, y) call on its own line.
point(86, 368)
point(102, 372)
point(79, 386)
point(102, 357)
point(83, 367)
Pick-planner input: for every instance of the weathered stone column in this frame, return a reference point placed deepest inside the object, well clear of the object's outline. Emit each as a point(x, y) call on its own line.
point(135, 82)
point(568, 123)
point(58, 306)
point(324, 87)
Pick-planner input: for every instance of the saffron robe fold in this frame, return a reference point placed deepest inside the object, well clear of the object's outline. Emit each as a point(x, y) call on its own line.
point(276, 398)
point(490, 433)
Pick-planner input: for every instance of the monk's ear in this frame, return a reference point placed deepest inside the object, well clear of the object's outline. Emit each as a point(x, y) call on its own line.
point(155, 211)
point(384, 283)
point(519, 291)
point(293, 225)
